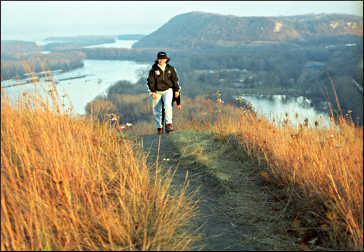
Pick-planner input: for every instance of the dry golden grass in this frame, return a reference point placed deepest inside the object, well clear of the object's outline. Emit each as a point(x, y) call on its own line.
point(69, 183)
point(321, 169)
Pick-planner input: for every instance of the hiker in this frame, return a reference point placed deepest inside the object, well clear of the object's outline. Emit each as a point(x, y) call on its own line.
point(163, 85)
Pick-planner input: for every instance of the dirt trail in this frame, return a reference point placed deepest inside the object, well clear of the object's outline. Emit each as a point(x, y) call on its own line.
point(235, 210)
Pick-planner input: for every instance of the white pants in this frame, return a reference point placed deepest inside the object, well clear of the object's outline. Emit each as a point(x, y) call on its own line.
point(167, 97)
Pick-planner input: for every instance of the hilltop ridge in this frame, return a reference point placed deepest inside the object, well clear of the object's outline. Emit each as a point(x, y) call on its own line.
point(205, 30)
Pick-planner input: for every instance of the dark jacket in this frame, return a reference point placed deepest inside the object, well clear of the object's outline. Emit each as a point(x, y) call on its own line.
point(161, 81)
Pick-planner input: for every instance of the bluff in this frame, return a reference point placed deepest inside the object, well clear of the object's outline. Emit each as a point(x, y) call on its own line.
point(206, 30)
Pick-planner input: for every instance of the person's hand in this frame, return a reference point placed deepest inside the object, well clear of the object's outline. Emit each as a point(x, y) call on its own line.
point(176, 94)
point(154, 95)
point(179, 107)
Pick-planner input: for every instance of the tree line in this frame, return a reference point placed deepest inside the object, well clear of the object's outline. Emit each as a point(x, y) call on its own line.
point(305, 69)
point(18, 67)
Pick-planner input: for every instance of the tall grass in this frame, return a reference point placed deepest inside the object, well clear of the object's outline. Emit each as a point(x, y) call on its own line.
point(69, 183)
point(321, 169)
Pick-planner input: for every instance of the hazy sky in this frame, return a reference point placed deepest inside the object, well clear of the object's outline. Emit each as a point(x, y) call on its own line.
point(122, 17)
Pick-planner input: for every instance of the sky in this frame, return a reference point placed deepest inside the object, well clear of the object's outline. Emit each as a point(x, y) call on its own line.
point(35, 19)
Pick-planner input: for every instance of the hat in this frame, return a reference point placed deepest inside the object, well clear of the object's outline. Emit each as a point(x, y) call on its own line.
point(162, 55)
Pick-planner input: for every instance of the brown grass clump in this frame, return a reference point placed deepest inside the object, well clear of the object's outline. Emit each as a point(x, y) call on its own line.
point(72, 184)
point(321, 169)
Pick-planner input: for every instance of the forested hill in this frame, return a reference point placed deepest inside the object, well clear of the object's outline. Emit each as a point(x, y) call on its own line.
point(204, 30)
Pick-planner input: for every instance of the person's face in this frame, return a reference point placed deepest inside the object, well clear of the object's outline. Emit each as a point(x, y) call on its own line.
point(162, 61)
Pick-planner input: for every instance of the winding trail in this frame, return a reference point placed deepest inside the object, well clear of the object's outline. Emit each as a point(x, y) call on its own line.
point(235, 210)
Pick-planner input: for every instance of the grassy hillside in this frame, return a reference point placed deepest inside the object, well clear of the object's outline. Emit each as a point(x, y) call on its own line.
point(317, 171)
point(68, 183)
point(320, 170)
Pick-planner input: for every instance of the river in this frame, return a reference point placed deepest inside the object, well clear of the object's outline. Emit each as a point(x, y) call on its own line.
point(96, 76)
point(93, 79)
point(298, 108)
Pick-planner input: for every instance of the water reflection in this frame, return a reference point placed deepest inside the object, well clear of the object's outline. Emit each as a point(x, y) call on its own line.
point(276, 108)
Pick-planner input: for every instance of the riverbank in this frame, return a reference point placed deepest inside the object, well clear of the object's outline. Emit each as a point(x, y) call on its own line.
point(19, 68)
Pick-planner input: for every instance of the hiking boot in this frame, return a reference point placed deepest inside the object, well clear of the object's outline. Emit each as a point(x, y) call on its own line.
point(169, 127)
point(160, 131)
